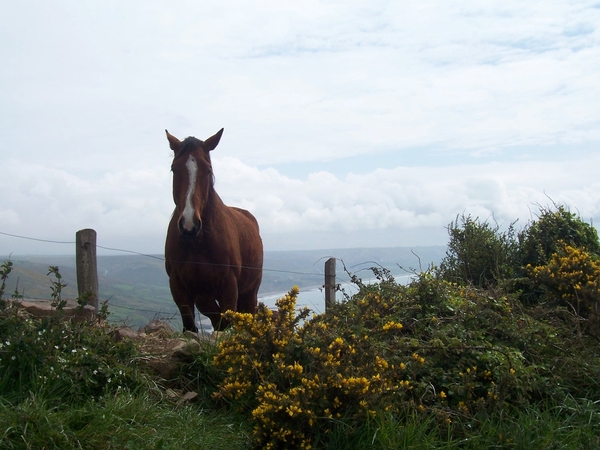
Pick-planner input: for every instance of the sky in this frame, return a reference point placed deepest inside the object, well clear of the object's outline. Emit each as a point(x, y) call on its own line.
point(347, 123)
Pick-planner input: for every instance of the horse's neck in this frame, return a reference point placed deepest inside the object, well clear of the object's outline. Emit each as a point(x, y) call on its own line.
point(215, 206)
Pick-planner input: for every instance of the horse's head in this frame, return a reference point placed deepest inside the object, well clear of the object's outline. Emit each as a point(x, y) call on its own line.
point(192, 180)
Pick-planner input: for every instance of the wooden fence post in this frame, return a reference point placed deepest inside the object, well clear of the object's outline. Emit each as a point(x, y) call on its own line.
point(330, 285)
point(87, 266)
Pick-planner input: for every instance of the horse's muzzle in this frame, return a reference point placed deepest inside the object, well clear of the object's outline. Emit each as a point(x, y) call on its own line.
point(187, 231)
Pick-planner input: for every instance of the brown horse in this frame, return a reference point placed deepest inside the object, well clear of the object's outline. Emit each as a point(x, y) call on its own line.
point(213, 252)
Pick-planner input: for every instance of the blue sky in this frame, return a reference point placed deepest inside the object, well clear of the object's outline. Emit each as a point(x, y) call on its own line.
point(347, 123)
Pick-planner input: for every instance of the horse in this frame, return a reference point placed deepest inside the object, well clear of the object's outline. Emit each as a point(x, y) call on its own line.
point(213, 252)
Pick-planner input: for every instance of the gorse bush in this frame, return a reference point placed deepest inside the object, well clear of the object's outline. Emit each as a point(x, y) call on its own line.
point(571, 278)
point(482, 255)
point(544, 237)
point(429, 348)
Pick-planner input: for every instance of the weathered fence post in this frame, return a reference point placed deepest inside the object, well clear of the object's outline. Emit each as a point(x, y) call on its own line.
point(330, 285)
point(87, 266)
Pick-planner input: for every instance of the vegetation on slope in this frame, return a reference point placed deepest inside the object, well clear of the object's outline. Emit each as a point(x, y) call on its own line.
point(68, 384)
point(490, 349)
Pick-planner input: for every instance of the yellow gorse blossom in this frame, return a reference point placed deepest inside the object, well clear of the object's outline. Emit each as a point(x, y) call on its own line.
point(418, 358)
point(389, 326)
point(571, 276)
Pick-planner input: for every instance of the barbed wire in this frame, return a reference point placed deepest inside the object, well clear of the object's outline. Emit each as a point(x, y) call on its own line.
point(36, 239)
point(28, 298)
point(160, 258)
point(156, 257)
point(342, 280)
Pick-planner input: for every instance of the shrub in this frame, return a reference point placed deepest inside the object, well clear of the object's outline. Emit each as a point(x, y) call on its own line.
point(542, 238)
point(60, 359)
point(65, 361)
point(432, 347)
point(479, 253)
point(571, 278)
point(545, 237)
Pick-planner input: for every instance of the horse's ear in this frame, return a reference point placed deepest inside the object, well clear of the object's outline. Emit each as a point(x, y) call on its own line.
point(213, 141)
point(173, 141)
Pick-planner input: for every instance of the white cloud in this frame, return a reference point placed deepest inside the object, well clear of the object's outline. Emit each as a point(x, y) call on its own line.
point(408, 198)
point(131, 208)
point(431, 109)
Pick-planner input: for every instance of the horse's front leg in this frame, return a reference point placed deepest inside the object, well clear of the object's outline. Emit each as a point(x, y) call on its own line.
point(186, 307)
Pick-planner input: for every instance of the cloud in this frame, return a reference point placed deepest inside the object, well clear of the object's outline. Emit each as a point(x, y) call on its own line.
point(406, 198)
point(408, 206)
point(346, 123)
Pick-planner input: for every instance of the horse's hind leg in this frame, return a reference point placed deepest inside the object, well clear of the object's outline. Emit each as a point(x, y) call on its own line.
point(227, 301)
point(248, 301)
point(218, 322)
point(211, 309)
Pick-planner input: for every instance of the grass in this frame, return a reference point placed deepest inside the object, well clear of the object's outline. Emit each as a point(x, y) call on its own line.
point(141, 421)
point(573, 425)
point(131, 421)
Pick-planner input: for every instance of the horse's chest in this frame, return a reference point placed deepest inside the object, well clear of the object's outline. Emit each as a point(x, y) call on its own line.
point(201, 270)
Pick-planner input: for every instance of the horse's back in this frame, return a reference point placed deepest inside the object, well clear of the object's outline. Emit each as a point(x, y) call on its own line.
point(246, 214)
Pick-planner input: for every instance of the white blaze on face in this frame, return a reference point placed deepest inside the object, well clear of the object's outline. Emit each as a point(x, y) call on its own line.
point(188, 211)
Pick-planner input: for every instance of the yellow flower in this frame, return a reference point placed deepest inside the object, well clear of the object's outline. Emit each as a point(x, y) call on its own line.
point(381, 363)
point(392, 326)
point(293, 410)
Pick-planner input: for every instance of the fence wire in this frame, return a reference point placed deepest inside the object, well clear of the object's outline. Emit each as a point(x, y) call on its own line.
point(160, 258)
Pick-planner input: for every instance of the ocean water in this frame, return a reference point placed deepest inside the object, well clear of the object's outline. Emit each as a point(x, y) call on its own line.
point(313, 299)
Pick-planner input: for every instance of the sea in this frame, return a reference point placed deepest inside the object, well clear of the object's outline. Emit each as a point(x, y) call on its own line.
point(312, 298)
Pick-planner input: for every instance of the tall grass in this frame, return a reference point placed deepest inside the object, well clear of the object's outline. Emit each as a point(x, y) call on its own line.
point(122, 421)
point(572, 425)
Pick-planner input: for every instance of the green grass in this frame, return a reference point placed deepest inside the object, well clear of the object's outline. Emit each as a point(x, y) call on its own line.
point(135, 421)
point(573, 425)
point(139, 421)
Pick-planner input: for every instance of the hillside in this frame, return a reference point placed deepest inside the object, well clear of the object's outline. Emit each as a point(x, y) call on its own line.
point(136, 286)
